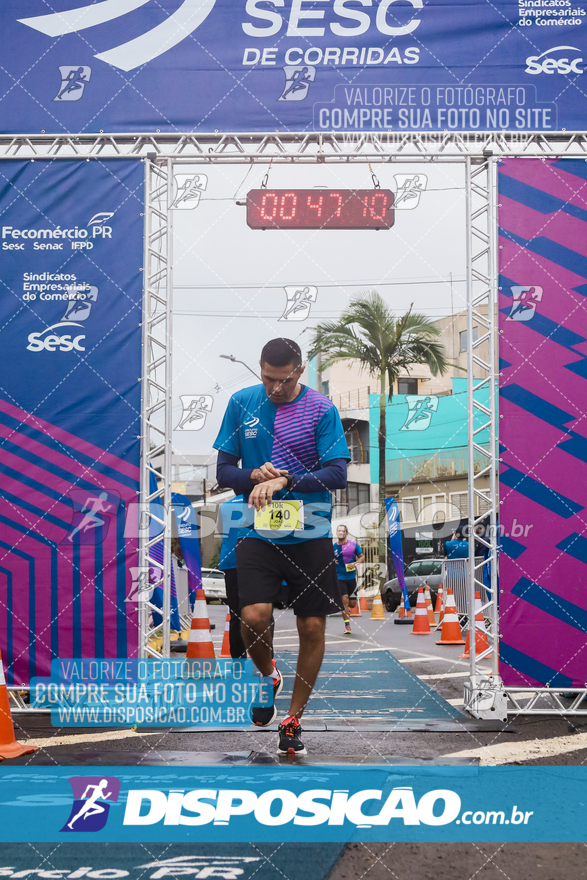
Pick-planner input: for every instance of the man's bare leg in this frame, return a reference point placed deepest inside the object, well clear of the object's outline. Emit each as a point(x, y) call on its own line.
point(311, 632)
point(346, 613)
point(256, 632)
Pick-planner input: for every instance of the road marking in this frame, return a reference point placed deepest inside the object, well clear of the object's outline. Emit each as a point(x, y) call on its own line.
point(505, 753)
point(441, 675)
point(72, 739)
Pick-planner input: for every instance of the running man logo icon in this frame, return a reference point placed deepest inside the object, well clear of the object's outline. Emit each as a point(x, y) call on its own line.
point(79, 309)
point(195, 409)
point(297, 82)
point(420, 411)
point(525, 301)
point(90, 802)
point(74, 80)
point(408, 189)
point(91, 515)
point(188, 190)
point(299, 302)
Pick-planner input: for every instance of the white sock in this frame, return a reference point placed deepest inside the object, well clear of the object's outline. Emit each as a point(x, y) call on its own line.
point(274, 675)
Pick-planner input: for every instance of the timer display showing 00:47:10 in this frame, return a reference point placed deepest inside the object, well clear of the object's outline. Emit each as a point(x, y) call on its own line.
point(320, 209)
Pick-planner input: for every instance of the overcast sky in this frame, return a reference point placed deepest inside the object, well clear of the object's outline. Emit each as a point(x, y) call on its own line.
point(229, 280)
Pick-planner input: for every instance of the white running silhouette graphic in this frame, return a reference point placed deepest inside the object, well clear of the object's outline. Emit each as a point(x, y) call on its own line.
point(91, 808)
point(127, 56)
point(91, 520)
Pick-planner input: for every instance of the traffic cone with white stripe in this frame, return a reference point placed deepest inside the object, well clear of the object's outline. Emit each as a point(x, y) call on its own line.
point(429, 608)
point(438, 608)
point(9, 747)
point(451, 630)
point(225, 649)
point(363, 606)
point(481, 641)
point(200, 644)
point(377, 608)
point(421, 625)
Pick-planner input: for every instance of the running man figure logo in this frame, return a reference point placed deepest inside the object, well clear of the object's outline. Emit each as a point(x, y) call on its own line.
point(73, 82)
point(79, 309)
point(90, 802)
point(195, 409)
point(420, 411)
point(525, 301)
point(91, 515)
point(408, 189)
point(299, 302)
point(188, 190)
point(297, 82)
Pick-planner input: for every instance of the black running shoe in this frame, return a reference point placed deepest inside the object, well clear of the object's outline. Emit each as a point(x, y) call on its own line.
point(290, 732)
point(265, 715)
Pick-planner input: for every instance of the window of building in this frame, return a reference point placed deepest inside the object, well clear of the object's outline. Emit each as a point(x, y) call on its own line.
point(459, 505)
point(359, 452)
point(326, 387)
point(407, 386)
point(345, 501)
point(463, 337)
point(433, 508)
point(409, 509)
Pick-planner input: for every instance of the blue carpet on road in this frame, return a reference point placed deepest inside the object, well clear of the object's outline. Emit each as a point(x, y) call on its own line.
point(367, 687)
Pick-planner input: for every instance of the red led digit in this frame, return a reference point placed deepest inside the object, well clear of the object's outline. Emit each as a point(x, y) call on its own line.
point(383, 207)
point(365, 205)
point(318, 206)
point(264, 214)
point(294, 202)
point(338, 197)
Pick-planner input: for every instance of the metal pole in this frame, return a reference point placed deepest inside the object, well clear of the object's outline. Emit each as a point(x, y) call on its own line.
point(166, 470)
point(143, 610)
point(493, 432)
point(470, 416)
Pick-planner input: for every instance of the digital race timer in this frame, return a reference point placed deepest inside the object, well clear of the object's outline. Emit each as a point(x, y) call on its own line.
point(320, 209)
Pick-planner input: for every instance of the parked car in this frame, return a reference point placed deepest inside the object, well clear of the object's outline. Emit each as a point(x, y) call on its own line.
point(213, 584)
point(417, 574)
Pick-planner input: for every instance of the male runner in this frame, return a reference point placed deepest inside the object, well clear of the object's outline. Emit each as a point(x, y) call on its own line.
point(291, 445)
point(347, 554)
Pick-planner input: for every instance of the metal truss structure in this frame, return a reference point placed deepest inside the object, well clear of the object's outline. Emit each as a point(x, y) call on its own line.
point(485, 695)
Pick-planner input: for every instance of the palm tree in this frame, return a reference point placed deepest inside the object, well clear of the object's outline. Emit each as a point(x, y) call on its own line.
point(386, 345)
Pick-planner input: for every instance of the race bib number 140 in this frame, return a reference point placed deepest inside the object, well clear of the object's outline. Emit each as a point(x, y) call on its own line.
point(280, 516)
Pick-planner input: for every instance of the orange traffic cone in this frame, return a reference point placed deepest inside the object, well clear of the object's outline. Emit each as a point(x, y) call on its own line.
point(481, 641)
point(401, 611)
point(451, 630)
point(421, 624)
point(9, 747)
point(356, 611)
point(200, 644)
point(429, 608)
point(225, 649)
point(363, 606)
point(438, 608)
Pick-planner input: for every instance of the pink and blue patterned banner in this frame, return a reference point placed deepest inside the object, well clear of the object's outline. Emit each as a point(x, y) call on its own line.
point(543, 425)
point(70, 336)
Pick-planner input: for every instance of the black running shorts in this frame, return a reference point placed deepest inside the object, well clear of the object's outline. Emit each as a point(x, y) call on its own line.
point(348, 587)
point(309, 569)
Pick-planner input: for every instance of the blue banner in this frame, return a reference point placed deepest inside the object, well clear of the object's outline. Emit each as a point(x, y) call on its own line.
point(293, 65)
point(189, 541)
point(292, 803)
point(395, 546)
point(70, 333)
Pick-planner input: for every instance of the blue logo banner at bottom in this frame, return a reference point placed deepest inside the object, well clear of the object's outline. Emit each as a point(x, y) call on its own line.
point(293, 803)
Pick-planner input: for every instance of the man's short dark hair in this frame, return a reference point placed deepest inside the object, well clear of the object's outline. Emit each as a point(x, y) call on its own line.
point(341, 526)
point(282, 352)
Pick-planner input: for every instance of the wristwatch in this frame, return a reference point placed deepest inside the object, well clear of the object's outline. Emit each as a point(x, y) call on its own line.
point(290, 480)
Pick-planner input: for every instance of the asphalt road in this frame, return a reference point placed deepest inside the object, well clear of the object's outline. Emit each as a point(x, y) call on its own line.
point(530, 740)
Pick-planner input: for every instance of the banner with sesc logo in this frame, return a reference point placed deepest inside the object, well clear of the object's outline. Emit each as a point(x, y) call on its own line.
point(385, 66)
point(71, 243)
